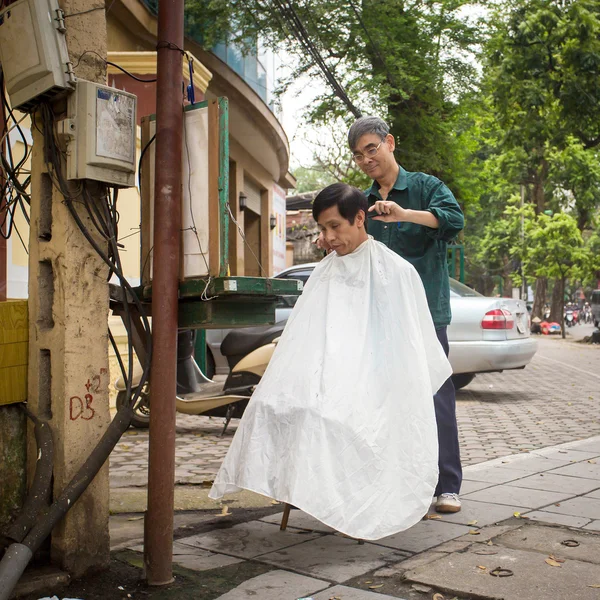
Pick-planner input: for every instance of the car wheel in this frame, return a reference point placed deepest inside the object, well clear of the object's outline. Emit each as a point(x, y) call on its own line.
point(462, 380)
point(141, 413)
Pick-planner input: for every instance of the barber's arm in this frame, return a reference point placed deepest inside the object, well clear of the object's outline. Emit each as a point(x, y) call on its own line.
point(443, 218)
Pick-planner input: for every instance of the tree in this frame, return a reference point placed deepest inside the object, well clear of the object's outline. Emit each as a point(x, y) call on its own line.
point(405, 60)
point(554, 247)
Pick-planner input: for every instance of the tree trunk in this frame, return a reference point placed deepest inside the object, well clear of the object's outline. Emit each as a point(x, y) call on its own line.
point(539, 301)
point(562, 312)
point(539, 182)
point(558, 302)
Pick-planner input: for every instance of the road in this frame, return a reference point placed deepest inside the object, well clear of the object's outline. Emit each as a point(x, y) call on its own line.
point(556, 399)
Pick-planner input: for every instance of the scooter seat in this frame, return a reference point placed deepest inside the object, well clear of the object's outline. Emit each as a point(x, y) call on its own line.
point(243, 341)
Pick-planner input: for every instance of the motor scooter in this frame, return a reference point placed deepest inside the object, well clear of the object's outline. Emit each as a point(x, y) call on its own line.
point(248, 352)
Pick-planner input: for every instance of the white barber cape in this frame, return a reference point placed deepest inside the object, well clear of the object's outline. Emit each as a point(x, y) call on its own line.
point(342, 424)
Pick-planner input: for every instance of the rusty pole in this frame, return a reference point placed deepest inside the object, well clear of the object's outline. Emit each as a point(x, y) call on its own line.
point(158, 545)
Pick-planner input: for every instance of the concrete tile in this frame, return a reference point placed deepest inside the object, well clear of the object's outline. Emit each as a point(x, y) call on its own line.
point(577, 507)
point(548, 540)
point(566, 454)
point(494, 475)
point(485, 513)
point(300, 520)
point(556, 483)
point(593, 526)
point(332, 557)
point(594, 494)
point(423, 536)
point(247, 540)
point(582, 469)
point(510, 495)
point(197, 559)
point(591, 445)
point(346, 593)
point(533, 463)
point(555, 519)
point(460, 575)
point(276, 585)
point(468, 487)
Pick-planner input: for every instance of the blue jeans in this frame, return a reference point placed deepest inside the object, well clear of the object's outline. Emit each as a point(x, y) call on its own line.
point(450, 477)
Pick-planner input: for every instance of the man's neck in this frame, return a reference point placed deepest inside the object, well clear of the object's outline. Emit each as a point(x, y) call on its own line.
point(386, 182)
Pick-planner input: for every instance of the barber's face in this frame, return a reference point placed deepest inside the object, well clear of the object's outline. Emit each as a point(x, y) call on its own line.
point(342, 236)
point(375, 156)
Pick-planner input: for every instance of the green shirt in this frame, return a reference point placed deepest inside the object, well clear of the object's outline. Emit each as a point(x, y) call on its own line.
point(423, 247)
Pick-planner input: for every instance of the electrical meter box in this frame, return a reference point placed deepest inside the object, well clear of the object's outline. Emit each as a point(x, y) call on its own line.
point(33, 52)
point(101, 130)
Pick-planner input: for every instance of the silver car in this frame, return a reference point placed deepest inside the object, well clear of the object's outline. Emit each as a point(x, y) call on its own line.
point(486, 334)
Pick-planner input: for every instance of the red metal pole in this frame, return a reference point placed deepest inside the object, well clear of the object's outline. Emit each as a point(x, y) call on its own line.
point(167, 231)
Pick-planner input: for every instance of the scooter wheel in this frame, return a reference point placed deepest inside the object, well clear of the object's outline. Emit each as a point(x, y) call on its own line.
point(141, 413)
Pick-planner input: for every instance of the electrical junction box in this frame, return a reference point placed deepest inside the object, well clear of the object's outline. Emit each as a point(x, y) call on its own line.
point(100, 131)
point(33, 52)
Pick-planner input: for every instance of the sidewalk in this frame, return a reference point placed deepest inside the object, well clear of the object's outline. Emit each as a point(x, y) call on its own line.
point(540, 500)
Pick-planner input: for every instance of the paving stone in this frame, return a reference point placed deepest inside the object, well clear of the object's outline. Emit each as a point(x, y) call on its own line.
point(485, 513)
point(486, 534)
point(577, 507)
point(533, 463)
point(300, 520)
point(510, 495)
point(548, 540)
point(498, 474)
point(581, 469)
point(594, 494)
point(593, 526)
point(247, 540)
point(556, 483)
point(332, 557)
point(423, 536)
point(346, 593)
point(276, 585)
point(459, 574)
point(555, 519)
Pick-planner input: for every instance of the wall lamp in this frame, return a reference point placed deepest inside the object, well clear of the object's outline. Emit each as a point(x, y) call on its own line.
point(273, 221)
point(243, 201)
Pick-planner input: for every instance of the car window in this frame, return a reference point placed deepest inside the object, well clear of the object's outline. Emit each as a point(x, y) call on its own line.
point(302, 275)
point(460, 289)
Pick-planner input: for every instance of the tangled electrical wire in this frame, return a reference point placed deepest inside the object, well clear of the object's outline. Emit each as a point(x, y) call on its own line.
point(16, 178)
point(100, 204)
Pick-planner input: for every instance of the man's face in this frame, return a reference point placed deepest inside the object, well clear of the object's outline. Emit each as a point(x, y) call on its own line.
point(375, 166)
point(341, 236)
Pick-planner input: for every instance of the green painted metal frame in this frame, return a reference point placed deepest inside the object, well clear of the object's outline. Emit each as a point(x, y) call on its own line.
point(453, 250)
point(223, 104)
point(234, 301)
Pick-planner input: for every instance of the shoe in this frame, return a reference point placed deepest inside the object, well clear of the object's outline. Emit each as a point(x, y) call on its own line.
point(448, 503)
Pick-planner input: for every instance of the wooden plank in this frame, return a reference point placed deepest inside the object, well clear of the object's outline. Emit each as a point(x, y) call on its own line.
point(214, 216)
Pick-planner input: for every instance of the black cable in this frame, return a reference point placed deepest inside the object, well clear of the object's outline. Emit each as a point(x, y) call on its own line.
point(84, 12)
point(140, 162)
point(112, 64)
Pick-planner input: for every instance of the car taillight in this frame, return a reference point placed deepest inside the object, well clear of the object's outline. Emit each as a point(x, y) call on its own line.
point(499, 318)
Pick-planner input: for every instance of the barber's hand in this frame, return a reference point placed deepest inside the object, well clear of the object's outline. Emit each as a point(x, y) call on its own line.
point(388, 212)
point(322, 243)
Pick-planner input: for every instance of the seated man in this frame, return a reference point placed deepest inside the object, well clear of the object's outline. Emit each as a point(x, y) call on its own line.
point(342, 424)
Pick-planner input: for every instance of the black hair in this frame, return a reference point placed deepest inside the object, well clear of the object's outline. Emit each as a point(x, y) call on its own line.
point(348, 199)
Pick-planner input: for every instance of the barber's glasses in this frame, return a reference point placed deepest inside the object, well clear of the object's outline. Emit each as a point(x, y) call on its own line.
point(369, 153)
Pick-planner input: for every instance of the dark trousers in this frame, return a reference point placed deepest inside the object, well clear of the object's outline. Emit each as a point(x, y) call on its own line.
point(450, 477)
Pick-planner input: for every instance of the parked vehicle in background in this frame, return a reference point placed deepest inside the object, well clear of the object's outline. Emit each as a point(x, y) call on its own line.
point(595, 303)
point(486, 334)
